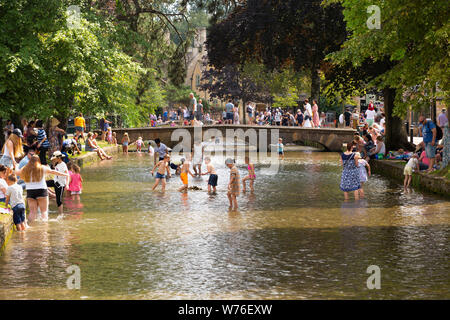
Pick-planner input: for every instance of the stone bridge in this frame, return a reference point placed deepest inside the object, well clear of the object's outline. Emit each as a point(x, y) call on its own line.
point(330, 139)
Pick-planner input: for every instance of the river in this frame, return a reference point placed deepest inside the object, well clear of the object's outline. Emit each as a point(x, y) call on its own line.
point(294, 238)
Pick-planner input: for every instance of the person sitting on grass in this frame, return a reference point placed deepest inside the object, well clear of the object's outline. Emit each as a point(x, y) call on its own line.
point(92, 146)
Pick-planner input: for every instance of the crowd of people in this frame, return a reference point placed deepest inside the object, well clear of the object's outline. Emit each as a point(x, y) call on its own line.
point(41, 176)
point(194, 114)
point(368, 143)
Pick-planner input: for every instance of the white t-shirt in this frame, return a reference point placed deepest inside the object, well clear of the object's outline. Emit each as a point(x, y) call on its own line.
point(61, 167)
point(39, 184)
point(370, 114)
point(3, 184)
point(308, 110)
point(278, 116)
point(341, 118)
point(383, 148)
point(15, 193)
point(412, 163)
point(383, 120)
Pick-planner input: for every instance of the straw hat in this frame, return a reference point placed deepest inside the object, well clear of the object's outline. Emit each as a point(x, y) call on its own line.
point(57, 154)
point(54, 122)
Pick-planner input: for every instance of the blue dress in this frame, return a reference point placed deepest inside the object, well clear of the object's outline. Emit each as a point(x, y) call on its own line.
point(350, 174)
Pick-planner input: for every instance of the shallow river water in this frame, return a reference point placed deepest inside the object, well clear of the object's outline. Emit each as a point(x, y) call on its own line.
point(294, 238)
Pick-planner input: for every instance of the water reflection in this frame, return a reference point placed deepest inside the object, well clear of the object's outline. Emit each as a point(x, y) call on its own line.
point(293, 238)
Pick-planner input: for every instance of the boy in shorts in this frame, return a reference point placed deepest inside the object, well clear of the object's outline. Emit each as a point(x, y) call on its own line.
point(14, 197)
point(184, 174)
point(234, 184)
point(212, 182)
point(163, 167)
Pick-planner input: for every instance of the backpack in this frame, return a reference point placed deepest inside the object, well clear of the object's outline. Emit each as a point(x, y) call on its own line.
point(439, 133)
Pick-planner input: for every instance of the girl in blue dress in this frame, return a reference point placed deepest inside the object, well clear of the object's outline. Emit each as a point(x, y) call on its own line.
point(350, 174)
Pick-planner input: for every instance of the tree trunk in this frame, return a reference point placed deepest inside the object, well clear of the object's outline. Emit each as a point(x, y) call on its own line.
point(396, 136)
point(315, 84)
point(244, 114)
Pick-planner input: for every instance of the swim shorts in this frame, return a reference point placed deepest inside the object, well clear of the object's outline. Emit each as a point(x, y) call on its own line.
point(160, 176)
point(184, 178)
point(213, 180)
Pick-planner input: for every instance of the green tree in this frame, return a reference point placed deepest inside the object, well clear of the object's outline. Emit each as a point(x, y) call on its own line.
point(406, 57)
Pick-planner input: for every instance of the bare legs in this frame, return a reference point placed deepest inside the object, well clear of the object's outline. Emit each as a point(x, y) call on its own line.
point(233, 200)
point(42, 204)
point(252, 181)
point(163, 184)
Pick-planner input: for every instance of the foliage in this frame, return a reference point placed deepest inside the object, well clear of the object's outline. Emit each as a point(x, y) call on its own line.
point(278, 34)
point(231, 83)
point(411, 46)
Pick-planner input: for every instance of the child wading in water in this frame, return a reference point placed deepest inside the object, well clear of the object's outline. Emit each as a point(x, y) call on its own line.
point(363, 174)
point(14, 197)
point(139, 144)
point(280, 149)
point(163, 167)
point(184, 173)
point(412, 164)
point(114, 139)
point(212, 182)
point(76, 181)
point(251, 175)
point(234, 184)
point(125, 143)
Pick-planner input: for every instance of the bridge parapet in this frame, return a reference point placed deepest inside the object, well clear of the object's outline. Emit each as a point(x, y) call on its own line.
point(330, 138)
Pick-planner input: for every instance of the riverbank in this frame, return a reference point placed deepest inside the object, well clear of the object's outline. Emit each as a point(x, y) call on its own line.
point(83, 160)
point(421, 180)
point(92, 157)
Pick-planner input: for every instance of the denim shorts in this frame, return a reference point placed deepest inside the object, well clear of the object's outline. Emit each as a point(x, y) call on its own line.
point(7, 162)
point(19, 213)
point(80, 129)
point(230, 116)
point(160, 176)
point(430, 150)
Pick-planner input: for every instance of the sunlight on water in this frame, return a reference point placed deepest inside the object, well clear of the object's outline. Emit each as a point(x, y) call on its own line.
point(294, 238)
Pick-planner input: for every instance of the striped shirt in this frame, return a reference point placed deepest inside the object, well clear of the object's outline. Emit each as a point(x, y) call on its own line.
point(41, 136)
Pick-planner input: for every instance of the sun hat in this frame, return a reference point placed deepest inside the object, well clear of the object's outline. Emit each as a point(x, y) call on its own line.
point(57, 154)
point(54, 122)
point(18, 132)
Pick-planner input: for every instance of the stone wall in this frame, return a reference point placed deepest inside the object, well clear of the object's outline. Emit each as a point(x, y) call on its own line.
point(426, 182)
point(92, 157)
point(6, 228)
